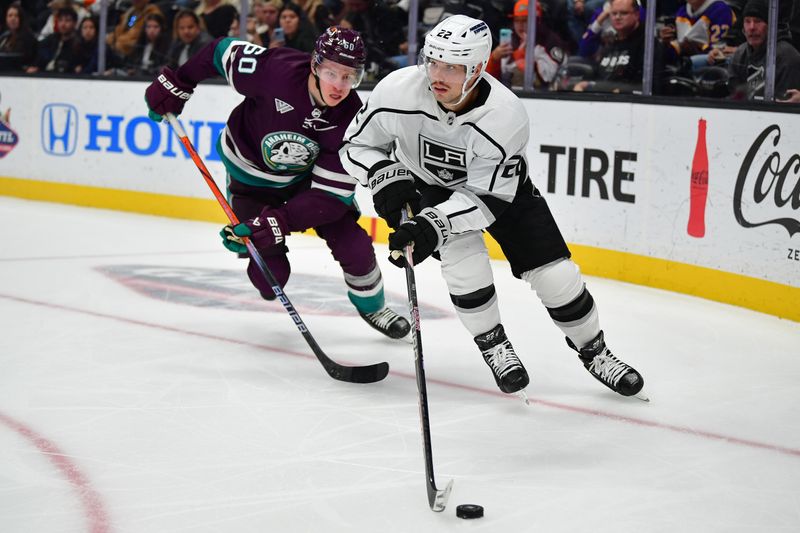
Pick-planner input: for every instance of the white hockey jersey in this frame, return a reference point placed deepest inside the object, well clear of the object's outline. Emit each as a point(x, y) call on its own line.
point(479, 152)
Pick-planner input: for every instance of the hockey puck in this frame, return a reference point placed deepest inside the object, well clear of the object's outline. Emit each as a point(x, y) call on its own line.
point(469, 510)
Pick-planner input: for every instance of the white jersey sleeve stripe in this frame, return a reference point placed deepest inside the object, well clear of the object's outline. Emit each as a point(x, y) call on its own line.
point(333, 176)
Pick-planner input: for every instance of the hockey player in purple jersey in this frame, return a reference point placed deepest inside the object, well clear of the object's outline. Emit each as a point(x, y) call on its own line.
point(450, 139)
point(280, 151)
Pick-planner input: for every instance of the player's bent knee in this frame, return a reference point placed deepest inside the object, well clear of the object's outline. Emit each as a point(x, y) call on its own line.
point(557, 283)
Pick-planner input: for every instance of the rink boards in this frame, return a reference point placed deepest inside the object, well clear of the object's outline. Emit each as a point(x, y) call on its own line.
point(616, 175)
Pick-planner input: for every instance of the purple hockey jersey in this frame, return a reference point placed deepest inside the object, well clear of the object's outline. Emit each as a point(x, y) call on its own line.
point(706, 25)
point(277, 135)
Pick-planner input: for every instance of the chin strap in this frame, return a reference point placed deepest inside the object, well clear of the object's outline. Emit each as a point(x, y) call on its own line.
point(319, 89)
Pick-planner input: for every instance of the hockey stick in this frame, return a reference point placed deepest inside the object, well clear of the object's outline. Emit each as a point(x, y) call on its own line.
point(352, 374)
point(437, 499)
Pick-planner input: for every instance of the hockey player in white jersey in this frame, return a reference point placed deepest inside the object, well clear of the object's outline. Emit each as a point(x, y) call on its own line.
point(450, 142)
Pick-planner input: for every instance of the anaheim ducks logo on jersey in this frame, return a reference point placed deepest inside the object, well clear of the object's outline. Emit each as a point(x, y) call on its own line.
point(289, 151)
point(447, 164)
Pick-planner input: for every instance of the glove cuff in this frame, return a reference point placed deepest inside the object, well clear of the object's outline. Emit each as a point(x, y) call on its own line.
point(440, 223)
point(173, 84)
point(385, 172)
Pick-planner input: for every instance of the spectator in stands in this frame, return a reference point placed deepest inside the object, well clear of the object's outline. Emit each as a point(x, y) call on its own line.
point(250, 31)
point(599, 31)
point(188, 36)
point(85, 60)
point(123, 39)
point(17, 42)
point(152, 49)
point(266, 12)
point(50, 25)
point(383, 28)
point(57, 51)
point(318, 13)
point(507, 62)
point(792, 96)
point(747, 67)
point(299, 33)
point(699, 25)
point(578, 16)
point(217, 15)
point(620, 63)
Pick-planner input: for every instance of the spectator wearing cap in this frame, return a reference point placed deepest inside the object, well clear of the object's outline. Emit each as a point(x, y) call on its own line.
point(57, 53)
point(123, 39)
point(748, 65)
point(17, 42)
point(507, 61)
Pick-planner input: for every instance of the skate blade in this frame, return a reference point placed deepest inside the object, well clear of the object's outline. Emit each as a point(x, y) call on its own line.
point(642, 396)
point(522, 395)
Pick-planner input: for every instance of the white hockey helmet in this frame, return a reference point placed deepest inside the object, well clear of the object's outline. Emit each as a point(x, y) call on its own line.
point(459, 40)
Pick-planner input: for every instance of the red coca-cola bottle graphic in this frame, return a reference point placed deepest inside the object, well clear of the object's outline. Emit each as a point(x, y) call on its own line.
point(699, 184)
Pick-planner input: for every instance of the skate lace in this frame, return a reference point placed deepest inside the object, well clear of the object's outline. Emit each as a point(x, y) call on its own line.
point(608, 368)
point(383, 318)
point(502, 359)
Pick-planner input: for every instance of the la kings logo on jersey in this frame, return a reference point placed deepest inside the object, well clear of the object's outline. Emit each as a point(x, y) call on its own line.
point(446, 163)
point(289, 151)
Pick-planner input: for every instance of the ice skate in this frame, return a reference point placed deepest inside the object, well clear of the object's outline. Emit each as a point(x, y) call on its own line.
point(388, 322)
point(498, 353)
point(610, 371)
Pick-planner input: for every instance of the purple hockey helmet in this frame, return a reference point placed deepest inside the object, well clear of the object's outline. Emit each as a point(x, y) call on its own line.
point(343, 46)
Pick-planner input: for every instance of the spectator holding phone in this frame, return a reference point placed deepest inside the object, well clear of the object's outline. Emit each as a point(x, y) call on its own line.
point(507, 60)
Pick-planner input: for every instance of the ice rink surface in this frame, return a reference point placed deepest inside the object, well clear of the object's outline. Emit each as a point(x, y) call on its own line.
point(144, 388)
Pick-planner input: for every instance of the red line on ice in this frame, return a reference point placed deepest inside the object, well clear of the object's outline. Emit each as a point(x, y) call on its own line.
point(92, 503)
point(555, 405)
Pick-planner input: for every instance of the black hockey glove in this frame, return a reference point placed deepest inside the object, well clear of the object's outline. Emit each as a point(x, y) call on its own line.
point(392, 186)
point(428, 231)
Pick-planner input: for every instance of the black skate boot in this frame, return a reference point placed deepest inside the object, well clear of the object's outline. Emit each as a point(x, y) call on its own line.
point(610, 371)
point(388, 322)
point(498, 353)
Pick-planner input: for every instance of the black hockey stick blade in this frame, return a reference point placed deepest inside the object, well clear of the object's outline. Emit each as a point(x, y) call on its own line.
point(350, 374)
